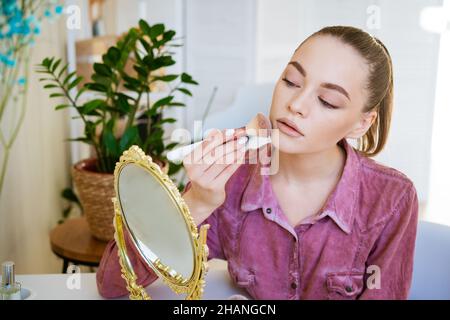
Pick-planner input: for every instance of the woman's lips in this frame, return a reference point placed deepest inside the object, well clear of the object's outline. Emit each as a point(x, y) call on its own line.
point(290, 131)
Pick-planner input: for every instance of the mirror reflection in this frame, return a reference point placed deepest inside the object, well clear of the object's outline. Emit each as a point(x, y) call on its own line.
point(154, 220)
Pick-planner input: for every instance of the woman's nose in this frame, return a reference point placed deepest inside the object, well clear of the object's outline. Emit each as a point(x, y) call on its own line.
point(300, 105)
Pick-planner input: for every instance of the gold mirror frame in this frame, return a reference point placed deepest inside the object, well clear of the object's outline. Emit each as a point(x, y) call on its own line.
point(194, 286)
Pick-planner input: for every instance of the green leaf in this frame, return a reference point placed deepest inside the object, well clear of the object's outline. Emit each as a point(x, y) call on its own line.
point(47, 79)
point(146, 46)
point(92, 105)
point(164, 61)
point(101, 80)
point(174, 168)
point(131, 87)
point(144, 26)
point(148, 60)
point(80, 92)
point(172, 145)
point(185, 91)
point(162, 102)
point(67, 79)
point(186, 78)
point(96, 87)
point(141, 71)
point(46, 62)
point(110, 142)
point(61, 106)
point(150, 113)
point(55, 65)
point(177, 104)
point(156, 30)
point(167, 78)
point(102, 69)
point(168, 35)
point(63, 70)
point(55, 95)
point(122, 104)
point(132, 81)
point(167, 120)
point(113, 55)
point(128, 139)
point(69, 195)
point(43, 71)
point(74, 83)
point(49, 86)
point(81, 139)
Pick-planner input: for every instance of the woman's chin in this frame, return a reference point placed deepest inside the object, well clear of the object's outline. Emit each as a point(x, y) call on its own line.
point(289, 147)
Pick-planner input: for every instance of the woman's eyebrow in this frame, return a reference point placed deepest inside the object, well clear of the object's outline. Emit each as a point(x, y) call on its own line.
point(326, 85)
point(299, 67)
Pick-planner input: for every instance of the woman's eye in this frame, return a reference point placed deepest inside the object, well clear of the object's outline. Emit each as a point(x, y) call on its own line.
point(289, 83)
point(326, 104)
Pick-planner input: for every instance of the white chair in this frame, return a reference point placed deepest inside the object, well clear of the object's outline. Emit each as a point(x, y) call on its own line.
point(431, 273)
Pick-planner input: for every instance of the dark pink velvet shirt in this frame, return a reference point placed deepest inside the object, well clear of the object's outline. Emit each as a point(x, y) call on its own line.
point(360, 246)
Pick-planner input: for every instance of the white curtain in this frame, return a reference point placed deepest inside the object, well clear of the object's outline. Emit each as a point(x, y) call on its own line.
point(438, 208)
point(30, 205)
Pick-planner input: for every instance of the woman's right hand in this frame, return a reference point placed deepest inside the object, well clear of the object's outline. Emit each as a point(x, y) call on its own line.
point(209, 167)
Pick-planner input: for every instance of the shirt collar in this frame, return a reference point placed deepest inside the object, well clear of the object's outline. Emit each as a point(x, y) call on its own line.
point(340, 204)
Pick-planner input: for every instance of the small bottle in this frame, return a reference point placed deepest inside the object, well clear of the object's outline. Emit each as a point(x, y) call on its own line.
point(10, 289)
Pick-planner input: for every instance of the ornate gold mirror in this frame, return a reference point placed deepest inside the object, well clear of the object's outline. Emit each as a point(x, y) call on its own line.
point(149, 207)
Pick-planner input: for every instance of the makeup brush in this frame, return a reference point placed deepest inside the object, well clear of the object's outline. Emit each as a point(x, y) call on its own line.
point(252, 140)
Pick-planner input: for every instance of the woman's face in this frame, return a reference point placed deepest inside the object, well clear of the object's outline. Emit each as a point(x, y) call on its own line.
point(321, 91)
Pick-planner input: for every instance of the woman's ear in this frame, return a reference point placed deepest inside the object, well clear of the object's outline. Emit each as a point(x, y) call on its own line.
point(364, 124)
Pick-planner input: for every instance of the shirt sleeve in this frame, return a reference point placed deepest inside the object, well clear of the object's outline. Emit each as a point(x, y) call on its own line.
point(213, 239)
point(392, 257)
point(110, 283)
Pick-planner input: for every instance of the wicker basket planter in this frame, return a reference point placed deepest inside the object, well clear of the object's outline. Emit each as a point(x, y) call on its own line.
point(95, 191)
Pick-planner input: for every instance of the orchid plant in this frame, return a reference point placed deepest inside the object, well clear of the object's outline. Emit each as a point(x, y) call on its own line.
point(20, 25)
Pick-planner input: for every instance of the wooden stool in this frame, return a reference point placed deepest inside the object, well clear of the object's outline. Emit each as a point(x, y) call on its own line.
point(73, 242)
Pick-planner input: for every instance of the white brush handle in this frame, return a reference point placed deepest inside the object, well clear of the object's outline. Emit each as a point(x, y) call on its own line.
point(177, 155)
point(251, 142)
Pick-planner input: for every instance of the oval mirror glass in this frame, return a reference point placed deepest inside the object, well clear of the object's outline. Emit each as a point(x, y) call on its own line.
point(155, 221)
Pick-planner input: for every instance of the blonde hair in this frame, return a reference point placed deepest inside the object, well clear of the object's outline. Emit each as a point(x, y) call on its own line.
point(380, 84)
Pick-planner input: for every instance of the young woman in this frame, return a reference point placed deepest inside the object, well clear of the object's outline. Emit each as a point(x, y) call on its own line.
point(330, 223)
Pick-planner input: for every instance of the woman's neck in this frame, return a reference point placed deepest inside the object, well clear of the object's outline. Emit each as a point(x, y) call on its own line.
point(310, 168)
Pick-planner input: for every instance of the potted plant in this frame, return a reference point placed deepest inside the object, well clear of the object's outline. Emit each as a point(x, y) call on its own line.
point(120, 112)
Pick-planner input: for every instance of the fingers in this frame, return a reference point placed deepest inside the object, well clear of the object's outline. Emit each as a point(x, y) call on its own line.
point(224, 153)
point(221, 161)
point(261, 155)
point(225, 174)
point(214, 139)
point(213, 154)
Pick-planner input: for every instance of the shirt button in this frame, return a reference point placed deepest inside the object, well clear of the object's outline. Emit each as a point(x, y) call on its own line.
point(269, 210)
point(348, 289)
point(293, 285)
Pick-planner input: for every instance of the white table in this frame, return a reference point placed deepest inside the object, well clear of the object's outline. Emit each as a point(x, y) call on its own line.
point(65, 286)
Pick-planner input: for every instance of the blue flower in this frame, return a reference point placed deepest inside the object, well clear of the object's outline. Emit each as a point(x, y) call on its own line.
point(31, 19)
point(7, 61)
point(47, 13)
point(22, 81)
point(58, 9)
